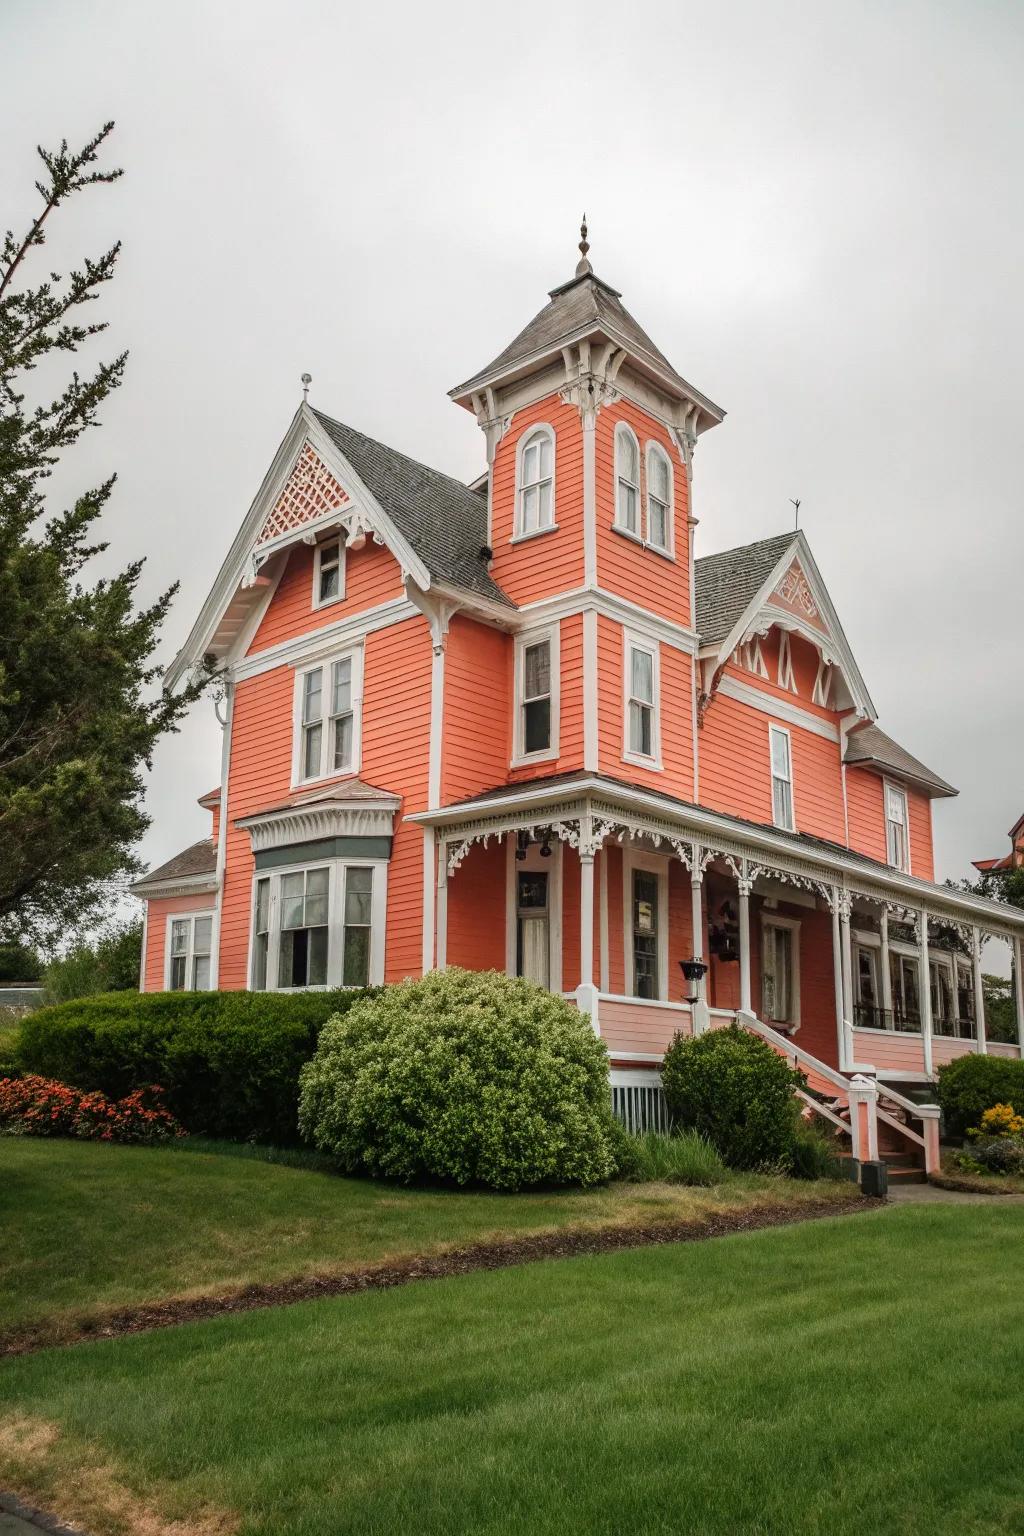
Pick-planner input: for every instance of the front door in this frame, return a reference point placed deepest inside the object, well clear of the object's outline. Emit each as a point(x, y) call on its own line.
point(645, 933)
point(533, 926)
point(777, 974)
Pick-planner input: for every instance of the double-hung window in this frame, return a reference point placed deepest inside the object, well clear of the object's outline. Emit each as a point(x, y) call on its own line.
point(318, 926)
point(641, 690)
point(537, 690)
point(536, 501)
point(897, 840)
point(659, 499)
point(782, 778)
point(190, 942)
point(328, 727)
point(780, 970)
point(329, 573)
point(627, 480)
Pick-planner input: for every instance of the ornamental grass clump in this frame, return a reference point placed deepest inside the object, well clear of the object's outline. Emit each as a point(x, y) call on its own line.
point(466, 1077)
point(37, 1106)
point(738, 1092)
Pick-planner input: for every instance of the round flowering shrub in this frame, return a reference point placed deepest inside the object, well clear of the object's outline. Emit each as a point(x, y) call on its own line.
point(738, 1092)
point(465, 1076)
point(37, 1106)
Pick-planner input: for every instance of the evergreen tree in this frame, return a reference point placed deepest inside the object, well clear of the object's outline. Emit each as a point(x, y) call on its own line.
point(80, 709)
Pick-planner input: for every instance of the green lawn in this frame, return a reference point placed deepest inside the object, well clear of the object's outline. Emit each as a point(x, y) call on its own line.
point(844, 1376)
point(86, 1226)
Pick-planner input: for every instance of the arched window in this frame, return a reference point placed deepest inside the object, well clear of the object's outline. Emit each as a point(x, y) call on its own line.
point(659, 498)
point(536, 504)
point(627, 480)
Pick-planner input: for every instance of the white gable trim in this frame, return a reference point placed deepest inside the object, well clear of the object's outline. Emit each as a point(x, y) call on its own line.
point(760, 615)
point(361, 507)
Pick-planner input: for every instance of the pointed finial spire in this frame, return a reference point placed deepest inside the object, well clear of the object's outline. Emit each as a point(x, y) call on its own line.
point(583, 265)
point(307, 379)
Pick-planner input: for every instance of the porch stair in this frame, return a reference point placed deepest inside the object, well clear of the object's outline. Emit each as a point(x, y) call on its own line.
point(902, 1167)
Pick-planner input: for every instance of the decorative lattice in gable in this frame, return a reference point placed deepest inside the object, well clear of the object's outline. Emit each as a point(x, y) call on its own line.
point(310, 492)
point(794, 592)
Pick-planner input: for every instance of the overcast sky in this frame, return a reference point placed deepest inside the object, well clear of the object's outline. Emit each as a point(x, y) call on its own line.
point(814, 210)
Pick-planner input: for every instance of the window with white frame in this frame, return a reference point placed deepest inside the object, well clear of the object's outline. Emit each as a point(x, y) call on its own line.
point(627, 480)
point(329, 573)
point(189, 947)
point(780, 970)
point(327, 735)
point(645, 913)
point(641, 701)
point(537, 695)
point(897, 839)
point(319, 925)
point(782, 777)
point(786, 678)
point(659, 499)
point(536, 500)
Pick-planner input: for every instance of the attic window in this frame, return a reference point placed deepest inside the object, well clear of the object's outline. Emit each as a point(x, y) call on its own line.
point(329, 573)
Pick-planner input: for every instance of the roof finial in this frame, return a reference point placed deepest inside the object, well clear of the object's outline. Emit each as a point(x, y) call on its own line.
point(583, 265)
point(307, 379)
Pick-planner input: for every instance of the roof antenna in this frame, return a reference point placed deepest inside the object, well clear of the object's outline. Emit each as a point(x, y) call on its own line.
point(583, 265)
point(796, 503)
point(307, 379)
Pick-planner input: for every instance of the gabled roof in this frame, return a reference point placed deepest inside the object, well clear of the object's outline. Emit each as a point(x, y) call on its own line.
point(577, 309)
point(726, 584)
point(443, 520)
point(870, 747)
point(188, 866)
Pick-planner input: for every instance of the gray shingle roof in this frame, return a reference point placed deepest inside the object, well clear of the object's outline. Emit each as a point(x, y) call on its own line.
point(442, 519)
point(579, 305)
point(200, 859)
point(872, 746)
point(726, 583)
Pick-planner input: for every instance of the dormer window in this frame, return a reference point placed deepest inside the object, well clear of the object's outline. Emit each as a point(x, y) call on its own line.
point(897, 838)
point(627, 480)
point(329, 573)
point(659, 499)
point(535, 507)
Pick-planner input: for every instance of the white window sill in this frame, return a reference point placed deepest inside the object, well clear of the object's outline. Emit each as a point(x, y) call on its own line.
point(638, 760)
point(534, 533)
point(338, 776)
point(527, 759)
point(635, 538)
point(780, 828)
point(329, 602)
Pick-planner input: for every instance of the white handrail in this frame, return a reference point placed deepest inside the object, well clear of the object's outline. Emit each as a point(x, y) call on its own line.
point(783, 1044)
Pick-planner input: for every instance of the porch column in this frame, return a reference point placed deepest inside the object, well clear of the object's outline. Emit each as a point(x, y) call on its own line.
point(834, 900)
point(1018, 989)
point(586, 993)
point(980, 1036)
point(926, 993)
point(889, 1021)
point(847, 969)
point(701, 1017)
point(604, 958)
point(429, 897)
point(441, 915)
point(743, 885)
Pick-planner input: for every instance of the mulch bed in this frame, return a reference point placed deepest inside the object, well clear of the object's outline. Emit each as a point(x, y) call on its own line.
point(502, 1254)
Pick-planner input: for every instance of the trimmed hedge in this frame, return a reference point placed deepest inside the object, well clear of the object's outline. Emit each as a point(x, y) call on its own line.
point(468, 1077)
point(228, 1062)
point(972, 1084)
point(738, 1092)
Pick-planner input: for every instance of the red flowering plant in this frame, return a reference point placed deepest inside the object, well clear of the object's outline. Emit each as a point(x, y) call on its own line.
point(38, 1106)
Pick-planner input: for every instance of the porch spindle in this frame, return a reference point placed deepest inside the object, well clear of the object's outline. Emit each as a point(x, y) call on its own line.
point(743, 886)
point(1018, 990)
point(926, 993)
point(980, 1034)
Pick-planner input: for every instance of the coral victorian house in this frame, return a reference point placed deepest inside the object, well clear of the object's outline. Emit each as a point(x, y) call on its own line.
point(519, 725)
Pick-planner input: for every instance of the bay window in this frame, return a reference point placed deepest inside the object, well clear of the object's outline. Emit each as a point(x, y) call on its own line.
point(640, 662)
point(320, 925)
point(897, 839)
point(327, 733)
point(782, 778)
point(189, 947)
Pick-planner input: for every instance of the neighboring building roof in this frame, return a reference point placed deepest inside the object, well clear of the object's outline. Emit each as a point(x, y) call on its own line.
point(211, 799)
point(991, 866)
point(583, 304)
point(444, 521)
point(200, 859)
point(870, 746)
point(725, 584)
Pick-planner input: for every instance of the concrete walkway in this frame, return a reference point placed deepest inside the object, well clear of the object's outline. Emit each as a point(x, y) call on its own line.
point(931, 1194)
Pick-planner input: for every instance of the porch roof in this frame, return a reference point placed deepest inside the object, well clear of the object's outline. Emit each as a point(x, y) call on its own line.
point(829, 862)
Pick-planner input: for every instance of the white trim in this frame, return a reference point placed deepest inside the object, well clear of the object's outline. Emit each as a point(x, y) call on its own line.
point(318, 554)
point(337, 869)
point(655, 450)
point(189, 918)
point(176, 885)
point(539, 429)
point(633, 640)
point(591, 694)
point(657, 865)
point(782, 709)
point(771, 919)
point(145, 946)
point(781, 730)
point(313, 644)
point(608, 605)
point(589, 498)
point(604, 958)
point(325, 666)
point(551, 635)
point(436, 726)
point(429, 891)
point(897, 788)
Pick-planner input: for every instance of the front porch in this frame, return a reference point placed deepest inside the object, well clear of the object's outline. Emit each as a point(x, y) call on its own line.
point(601, 892)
